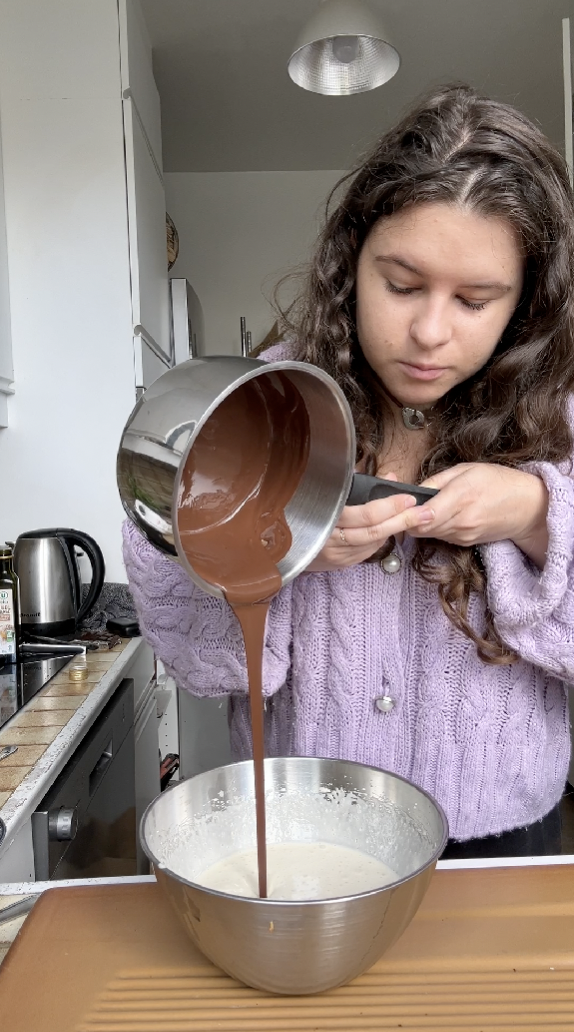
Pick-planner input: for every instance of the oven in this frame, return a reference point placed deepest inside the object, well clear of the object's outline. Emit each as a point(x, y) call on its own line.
point(85, 826)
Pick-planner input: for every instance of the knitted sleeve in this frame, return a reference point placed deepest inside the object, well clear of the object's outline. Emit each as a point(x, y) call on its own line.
point(197, 636)
point(534, 609)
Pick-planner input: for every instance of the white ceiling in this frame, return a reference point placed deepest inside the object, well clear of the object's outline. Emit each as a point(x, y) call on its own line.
point(229, 105)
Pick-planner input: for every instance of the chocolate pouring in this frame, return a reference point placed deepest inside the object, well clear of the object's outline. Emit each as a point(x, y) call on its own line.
point(239, 469)
point(243, 469)
point(183, 500)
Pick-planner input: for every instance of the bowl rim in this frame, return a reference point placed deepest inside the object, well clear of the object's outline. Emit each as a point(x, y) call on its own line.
point(160, 866)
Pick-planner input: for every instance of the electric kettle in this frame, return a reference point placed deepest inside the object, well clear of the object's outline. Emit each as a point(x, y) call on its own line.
point(50, 587)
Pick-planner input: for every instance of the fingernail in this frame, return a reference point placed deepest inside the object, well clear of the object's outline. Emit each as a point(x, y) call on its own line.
point(426, 515)
point(410, 502)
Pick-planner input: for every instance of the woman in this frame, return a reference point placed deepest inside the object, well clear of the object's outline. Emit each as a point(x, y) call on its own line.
point(434, 641)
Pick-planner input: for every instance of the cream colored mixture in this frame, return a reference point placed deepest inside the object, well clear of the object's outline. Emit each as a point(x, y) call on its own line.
point(300, 870)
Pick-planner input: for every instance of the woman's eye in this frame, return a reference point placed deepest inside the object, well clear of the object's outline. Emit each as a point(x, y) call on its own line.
point(475, 306)
point(399, 290)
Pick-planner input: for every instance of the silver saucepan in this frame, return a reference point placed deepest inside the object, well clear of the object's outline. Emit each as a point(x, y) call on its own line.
point(166, 421)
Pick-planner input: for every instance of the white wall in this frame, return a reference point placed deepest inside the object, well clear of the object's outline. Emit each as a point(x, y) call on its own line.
point(61, 119)
point(239, 233)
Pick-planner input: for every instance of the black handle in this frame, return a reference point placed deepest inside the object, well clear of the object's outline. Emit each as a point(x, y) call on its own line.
point(94, 554)
point(364, 489)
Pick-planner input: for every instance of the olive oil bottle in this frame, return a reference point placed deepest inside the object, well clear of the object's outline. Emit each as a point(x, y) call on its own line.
point(9, 608)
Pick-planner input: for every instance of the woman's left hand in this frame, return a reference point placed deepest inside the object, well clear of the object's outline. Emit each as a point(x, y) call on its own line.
point(480, 502)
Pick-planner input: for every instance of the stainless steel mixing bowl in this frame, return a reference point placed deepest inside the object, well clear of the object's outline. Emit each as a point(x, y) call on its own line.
point(294, 947)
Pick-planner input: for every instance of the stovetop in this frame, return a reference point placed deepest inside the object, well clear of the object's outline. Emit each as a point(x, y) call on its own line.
point(19, 682)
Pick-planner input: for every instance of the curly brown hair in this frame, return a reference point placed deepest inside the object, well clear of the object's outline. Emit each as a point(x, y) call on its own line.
point(458, 147)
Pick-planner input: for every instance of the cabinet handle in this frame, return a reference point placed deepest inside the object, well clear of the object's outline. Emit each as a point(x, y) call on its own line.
point(101, 767)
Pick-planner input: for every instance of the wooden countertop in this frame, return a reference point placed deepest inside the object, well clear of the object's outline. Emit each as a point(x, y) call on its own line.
point(48, 729)
point(15, 892)
point(486, 950)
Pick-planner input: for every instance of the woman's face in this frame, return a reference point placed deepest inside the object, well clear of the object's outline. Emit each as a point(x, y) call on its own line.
point(436, 287)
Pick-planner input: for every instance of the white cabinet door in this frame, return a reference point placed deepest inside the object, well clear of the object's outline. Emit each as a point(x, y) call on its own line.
point(148, 365)
point(137, 73)
point(148, 250)
point(6, 371)
point(147, 779)
point(145, 191)
point(203, 734)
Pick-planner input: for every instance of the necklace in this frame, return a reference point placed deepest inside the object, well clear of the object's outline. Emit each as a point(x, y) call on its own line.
point(413, 418)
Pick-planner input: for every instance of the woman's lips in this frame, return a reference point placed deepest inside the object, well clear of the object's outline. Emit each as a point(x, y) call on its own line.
point(417, 372)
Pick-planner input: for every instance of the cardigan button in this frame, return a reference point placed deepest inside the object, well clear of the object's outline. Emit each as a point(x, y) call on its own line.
point(384, 703)
point(391, 563)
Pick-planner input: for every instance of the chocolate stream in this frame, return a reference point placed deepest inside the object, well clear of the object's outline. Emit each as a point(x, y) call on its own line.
point(243, 468)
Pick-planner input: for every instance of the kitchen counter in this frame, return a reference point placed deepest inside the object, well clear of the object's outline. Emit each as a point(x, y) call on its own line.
point(49, 728)
point(486, 949)
point(13, 892)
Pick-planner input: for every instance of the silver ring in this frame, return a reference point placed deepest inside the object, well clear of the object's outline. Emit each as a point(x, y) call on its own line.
point(342, 535)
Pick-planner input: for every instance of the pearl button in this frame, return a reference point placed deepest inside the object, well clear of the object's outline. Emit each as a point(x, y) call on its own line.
point(385, 704)
point(391, 563)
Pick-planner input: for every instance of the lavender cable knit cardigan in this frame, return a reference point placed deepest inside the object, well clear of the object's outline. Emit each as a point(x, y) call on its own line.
point(491, 743)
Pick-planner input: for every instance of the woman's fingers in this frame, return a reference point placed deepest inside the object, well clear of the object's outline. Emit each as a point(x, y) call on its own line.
point(362, 525)
point(363, 529)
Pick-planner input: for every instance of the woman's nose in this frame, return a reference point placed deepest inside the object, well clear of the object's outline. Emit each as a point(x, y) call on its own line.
point(431, 324)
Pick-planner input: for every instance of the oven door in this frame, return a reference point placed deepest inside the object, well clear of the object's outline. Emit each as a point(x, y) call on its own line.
point(85, 825)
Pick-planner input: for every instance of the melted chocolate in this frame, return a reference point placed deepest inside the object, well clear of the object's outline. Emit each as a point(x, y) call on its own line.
point(241, 472)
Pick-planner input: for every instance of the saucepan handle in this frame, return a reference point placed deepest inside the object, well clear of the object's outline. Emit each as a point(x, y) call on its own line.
point(364, 489)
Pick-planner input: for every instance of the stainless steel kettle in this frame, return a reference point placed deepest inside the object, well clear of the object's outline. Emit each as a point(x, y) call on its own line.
point(50, 585)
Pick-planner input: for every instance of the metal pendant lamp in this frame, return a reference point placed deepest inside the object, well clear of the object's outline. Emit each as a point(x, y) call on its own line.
point(343, 49)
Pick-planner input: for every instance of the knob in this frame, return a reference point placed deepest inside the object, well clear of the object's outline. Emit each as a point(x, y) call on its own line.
point(62, 824)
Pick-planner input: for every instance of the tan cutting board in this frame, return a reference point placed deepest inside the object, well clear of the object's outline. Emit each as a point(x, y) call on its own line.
point(488, 951)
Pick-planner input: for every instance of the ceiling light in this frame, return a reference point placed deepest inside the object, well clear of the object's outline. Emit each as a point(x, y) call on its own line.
point(343, 49)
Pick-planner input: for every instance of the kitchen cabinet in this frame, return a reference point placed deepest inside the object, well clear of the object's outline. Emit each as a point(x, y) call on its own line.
point(145, 200)
point(147, 753)
point(203, 734)
point(83, 253)
point(6, 368)
point(133, 663)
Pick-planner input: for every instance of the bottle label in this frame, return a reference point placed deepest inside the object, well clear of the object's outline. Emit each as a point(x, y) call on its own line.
point(7, 623)
point(8, 692)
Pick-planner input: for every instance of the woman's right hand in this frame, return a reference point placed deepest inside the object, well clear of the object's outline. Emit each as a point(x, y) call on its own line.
point(362, 530)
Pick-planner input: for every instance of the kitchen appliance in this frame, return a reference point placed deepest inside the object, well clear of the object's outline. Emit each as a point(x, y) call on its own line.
point(295, 947)
point(20, 681)
point(47, 567)
point(85, 826)
point(167, 420)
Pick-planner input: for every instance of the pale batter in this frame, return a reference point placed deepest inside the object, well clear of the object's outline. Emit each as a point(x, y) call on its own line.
point(300, 870)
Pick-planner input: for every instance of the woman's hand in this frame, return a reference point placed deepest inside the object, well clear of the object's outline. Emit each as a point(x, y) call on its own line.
point(363, 529)
point(481, 502)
